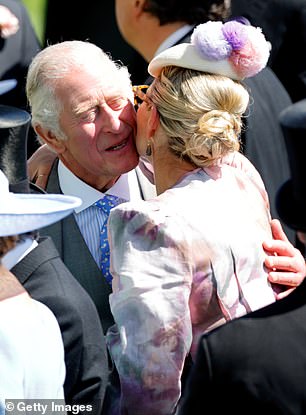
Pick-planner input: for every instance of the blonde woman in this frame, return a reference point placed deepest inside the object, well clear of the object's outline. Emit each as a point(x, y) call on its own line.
point(191, 258)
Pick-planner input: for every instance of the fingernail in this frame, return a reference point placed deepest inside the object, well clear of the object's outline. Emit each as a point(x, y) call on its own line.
point(272, 278)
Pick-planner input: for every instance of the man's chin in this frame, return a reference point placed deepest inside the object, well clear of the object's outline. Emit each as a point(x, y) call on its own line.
point(131, 165)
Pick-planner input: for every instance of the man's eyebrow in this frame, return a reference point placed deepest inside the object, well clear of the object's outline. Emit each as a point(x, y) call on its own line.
point(80, 108)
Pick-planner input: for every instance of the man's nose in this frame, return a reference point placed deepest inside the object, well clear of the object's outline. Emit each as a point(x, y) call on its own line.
point(111, 122)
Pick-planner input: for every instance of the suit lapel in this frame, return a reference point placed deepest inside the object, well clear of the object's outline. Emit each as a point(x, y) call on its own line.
point(77, 257)
point(67, 236)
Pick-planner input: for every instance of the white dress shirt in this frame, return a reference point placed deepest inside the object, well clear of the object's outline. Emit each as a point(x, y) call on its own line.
point(173, 38)
point(31, 351)
point(89, 218)
point(15, 255)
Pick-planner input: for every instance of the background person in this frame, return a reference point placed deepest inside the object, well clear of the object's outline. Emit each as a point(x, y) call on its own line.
point(32, 354)
point(291, 196)
point(283, 22)
point(17, 49)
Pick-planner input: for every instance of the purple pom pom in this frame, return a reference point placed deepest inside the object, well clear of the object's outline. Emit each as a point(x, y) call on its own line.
point(241, 19)
point(235, 33)
point(210, 42)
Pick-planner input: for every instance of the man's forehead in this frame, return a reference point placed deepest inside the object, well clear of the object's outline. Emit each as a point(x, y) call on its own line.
point(111, 87)
point(93, 83)
point(111, 83)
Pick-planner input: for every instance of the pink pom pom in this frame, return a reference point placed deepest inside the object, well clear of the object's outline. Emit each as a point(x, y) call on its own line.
point(253, 56)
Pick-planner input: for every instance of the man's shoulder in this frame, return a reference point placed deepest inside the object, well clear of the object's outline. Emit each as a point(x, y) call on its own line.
point(49, 277)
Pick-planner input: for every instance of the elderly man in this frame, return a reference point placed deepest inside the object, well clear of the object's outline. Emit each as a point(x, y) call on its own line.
point(82, 108)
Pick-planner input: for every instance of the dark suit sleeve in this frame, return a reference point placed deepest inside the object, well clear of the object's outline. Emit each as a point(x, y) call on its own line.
point(85, 353)
point(197, 398)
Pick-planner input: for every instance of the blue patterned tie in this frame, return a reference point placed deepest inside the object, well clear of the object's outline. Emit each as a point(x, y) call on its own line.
point(106, 204)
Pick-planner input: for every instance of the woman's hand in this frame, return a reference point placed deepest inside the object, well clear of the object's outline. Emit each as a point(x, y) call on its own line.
point(40, 164)
point(285, 262)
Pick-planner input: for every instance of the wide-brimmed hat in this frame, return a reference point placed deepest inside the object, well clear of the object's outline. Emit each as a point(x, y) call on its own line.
point(234, 49)
point(21, 213)
point(291, 197)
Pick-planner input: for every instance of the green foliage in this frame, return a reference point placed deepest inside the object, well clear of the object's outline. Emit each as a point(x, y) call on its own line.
point(37, 12)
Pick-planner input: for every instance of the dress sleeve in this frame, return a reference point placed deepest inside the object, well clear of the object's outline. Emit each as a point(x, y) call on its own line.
point(151, 287)
point(240, 162)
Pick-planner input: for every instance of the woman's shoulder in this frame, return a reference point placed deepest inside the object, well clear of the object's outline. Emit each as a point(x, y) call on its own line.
point(138, 212)
point(152, 222)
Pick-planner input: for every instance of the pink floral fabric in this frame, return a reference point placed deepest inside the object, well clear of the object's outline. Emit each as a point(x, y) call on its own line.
point(183, 263)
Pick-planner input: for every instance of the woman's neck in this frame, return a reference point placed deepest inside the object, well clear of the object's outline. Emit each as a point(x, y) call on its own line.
point(168, 170)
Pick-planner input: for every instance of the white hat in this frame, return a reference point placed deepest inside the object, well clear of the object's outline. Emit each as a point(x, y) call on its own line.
point(21, 213)
point(6, 85)
point(233, 49)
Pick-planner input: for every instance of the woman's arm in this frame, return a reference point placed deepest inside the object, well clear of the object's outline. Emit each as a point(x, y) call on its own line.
point(40, 164)
point(149, 303)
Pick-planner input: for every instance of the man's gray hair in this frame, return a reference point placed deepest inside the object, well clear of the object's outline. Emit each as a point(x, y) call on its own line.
point(55, 62)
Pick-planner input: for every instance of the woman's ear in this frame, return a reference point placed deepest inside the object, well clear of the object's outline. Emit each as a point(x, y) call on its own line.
point(153, 121)
point(49, 138)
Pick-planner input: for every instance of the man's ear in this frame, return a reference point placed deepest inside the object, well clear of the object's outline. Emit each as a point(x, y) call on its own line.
point(49, 138)
point(138, 7)
point(153, 121)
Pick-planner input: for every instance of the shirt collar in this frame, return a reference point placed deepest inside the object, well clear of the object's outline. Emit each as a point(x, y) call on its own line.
point(73, 186)
point(174, 38)
point(15, 255)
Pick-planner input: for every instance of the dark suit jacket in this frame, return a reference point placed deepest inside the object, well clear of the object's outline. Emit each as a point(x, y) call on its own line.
point(253, 365)
point(263, 139)
point(284, 24)
point(47, 279)
point(76, 256)
point(16, 53)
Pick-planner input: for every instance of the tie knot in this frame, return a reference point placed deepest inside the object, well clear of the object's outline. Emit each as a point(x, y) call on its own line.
point(108, 202)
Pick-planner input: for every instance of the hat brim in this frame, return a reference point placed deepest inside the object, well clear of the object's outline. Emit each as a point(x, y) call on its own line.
point(7, 85)
point(185, 55)
point(27, 212)
point(290, 211)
